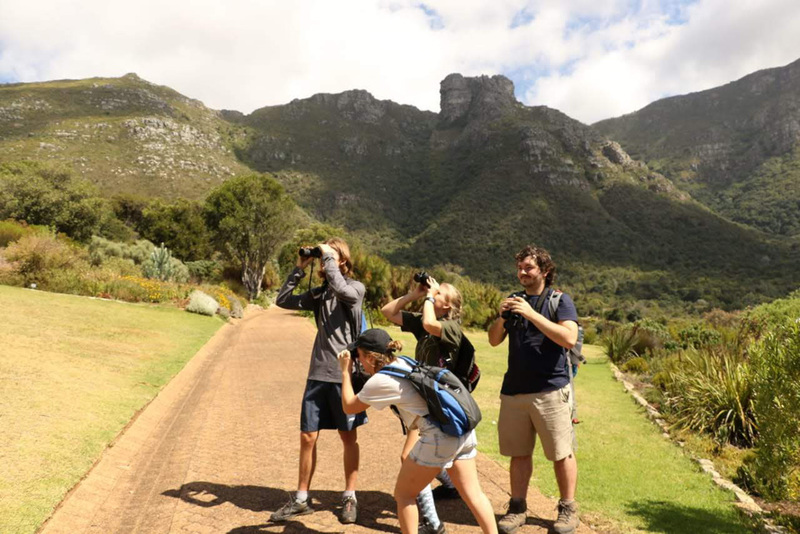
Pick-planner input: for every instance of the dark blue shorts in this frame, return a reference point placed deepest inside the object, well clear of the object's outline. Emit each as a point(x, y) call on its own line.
point(322, 409)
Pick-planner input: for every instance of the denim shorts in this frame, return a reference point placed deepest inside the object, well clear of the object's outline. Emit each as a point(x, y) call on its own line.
point(322, 409)
point(437, 449)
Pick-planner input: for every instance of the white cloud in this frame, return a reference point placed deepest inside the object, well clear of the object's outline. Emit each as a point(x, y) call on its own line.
point(630, 64)
point(244, 54)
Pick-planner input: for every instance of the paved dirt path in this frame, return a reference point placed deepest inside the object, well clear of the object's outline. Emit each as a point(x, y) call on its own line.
point(216, 451)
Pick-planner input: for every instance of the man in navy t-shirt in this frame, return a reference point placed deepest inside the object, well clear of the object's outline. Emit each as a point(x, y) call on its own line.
point(535, 399)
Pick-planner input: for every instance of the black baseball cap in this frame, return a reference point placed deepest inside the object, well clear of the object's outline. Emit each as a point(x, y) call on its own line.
point(373, 340)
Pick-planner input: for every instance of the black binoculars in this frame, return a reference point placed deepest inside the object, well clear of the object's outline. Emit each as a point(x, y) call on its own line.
point(310, 252)
point(422, 278)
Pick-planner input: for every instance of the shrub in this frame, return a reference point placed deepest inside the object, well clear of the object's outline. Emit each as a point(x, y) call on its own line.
point(225, 313)
point(776, 362)
point(204, 270)
point(37, 256)
point(101, 250)
point(201, 303)
point(712, 392)
point(11, 231)
point(589, 335)
point(237, 312)
point(44, 195)
point(162, 266)
point(619, 344)
point(637, 365)
point(698, 336)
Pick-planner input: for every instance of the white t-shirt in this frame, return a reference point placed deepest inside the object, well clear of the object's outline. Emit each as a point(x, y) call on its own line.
point(383, 390)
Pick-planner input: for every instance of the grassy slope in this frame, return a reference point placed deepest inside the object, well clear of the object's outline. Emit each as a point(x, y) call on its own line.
point(81, 124)
point(73, 371)
point(630, 478)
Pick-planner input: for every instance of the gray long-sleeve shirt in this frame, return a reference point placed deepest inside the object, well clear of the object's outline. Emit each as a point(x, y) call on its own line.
point(336, 306)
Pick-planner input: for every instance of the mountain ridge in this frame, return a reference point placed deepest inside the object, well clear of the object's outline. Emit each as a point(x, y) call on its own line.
point(466, 187)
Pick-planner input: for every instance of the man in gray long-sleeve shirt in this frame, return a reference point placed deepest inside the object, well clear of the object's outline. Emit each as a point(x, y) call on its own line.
point(337, 309)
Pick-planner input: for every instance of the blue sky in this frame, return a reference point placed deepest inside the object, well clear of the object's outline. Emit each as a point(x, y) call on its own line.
point(590, 59)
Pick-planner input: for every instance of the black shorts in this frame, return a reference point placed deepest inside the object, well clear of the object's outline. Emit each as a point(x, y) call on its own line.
point(322, 409)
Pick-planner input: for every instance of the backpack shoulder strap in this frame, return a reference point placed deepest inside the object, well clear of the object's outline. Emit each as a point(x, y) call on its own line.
point(396, 371)
point(552, 304)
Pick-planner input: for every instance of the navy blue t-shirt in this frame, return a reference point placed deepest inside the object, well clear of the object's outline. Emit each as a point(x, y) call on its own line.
point(536, 363)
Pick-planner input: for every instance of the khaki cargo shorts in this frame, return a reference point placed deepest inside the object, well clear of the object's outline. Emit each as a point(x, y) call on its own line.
point(548, 415)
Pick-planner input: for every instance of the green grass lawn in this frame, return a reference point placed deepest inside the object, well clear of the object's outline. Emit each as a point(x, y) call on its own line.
point(630, 478)
point(73, 371)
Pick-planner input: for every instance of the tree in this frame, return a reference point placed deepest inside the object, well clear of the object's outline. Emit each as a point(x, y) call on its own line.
point(250, 216)
point(37, 194)
point(180, 226)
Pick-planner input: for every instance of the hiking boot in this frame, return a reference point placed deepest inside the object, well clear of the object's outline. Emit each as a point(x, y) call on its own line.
point(443, 493)
point(515, 516)
point(426, 528)
point(567, 520)
point(291, 509)
point(349, 512)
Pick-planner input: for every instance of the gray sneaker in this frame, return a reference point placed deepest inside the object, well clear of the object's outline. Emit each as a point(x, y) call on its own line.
point(427, 528)
point(349, 512)
point(515, 516)
point(291, 509)
point(567, 520)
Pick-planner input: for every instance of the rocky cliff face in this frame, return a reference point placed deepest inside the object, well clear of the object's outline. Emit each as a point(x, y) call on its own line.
point(482, 98)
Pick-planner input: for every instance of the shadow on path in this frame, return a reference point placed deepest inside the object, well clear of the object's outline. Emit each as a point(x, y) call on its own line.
point(372, 505)
point(672, 518)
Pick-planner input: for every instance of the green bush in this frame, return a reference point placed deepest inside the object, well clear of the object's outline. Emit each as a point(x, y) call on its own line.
point(698, 336)
point(712, 392)
point(619, 344)
point(37, 257)
point(38, 194)
point(203, 271)
point(775, 359)
point(12, 230)
point(101, 250)
point(637, 365)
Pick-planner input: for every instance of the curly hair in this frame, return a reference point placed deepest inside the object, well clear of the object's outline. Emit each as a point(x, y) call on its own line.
point(542, 258)
point(385, 359)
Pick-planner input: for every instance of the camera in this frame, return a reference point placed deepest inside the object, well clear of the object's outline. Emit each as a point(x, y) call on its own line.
point(513, 320)
point(422, 278)
point(310, 252)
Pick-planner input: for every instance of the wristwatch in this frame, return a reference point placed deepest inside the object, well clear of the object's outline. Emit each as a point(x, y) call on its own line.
point(430, 299)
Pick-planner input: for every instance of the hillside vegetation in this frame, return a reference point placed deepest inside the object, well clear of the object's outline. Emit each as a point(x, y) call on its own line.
point(464, 188)
point(734, 148)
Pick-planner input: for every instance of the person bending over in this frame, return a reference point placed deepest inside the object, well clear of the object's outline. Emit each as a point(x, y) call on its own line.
point(432, 451)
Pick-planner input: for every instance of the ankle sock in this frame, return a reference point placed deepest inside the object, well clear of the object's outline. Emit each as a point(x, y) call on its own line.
point(346, 494)
point(301, 496)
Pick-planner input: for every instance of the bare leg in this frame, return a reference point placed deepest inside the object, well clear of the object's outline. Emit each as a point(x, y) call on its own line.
point(351, 458)
point(520, 473)
point(465, 477)
point(411, 480)
point(566, 476)
point(308, 459)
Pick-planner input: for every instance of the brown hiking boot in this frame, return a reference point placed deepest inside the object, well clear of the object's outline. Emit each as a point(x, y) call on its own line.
point(567, 520)
point(515, 516)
